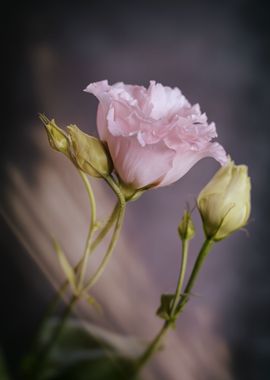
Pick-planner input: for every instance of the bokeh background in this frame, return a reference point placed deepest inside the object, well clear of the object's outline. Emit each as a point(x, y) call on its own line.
point(218, 54)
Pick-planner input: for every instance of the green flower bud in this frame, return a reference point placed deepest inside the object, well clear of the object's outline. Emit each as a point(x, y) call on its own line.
point(186, 227)
point(57, 138)
point(88, 153)
point(224, 203)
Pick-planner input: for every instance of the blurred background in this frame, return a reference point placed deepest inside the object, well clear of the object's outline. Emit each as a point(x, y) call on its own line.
point(217, 53)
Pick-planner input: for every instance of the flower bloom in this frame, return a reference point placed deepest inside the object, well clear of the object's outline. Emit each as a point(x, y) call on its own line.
point(224, 203)
point(154, 134)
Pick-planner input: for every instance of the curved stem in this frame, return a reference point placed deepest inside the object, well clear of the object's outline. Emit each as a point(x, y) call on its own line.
point(105, 229)
point(116, 190)
point(110, 248)
point(118, 212)
point(62, 289)
point(115, 235)
point(182, 272)
point(91, 230)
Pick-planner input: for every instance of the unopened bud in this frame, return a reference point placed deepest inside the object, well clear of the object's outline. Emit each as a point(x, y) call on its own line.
point(88, 153)
point(57, 138)
point(186, 227)
point(224, 203)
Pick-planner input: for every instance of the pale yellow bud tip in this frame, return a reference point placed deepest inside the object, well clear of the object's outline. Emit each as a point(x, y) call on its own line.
point(57, 138)
point(224, 203)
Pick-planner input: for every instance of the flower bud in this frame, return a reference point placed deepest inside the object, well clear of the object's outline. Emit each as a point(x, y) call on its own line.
point(186, 227)
point(88, 153)
point(224, 203)
point(57, 138)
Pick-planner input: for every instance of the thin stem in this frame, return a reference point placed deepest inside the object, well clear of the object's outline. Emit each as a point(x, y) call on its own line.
point(116, 189)
point(60, 293)
point(118, 212)
point(153, 347)
point(94, 245)
point(105, 229)
point(110, 249)
point(91, 230)
point(155, 344)
point(115, 235)
point(207, 245)
point(182, 272)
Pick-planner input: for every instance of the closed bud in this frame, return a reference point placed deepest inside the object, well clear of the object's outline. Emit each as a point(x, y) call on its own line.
point(57, 138)
point(186, 227)
point(224, 203)
point(88, 153)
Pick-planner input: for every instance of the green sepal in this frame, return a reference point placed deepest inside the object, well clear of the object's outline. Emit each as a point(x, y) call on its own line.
point(129, 192)
point(164, 309)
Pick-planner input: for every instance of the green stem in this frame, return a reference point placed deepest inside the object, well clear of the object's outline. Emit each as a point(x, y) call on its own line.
point(155, 344)
point(118, 212)
point(207, 245)
point(115, 235)
point(153, 347)
point(60, 293)
point(116, 190)
point(105, 229)
point(182, 272)
point(110, 249)
point(91, 230)
point(94, 245)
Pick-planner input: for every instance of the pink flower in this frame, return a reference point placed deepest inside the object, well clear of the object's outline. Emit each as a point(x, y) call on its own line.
point(153, 134)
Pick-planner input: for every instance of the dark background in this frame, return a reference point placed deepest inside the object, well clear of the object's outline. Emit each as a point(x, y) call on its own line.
point(216, 52)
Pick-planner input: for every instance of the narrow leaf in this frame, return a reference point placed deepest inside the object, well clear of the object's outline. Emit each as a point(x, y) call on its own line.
point(165, 306)
point(65, 265)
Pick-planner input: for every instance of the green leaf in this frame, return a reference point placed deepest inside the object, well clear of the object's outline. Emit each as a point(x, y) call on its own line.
point(165, 306)
point(65, 265)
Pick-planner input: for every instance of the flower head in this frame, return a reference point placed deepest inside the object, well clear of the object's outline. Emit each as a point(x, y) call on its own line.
point(224, 203)
point(153, 134)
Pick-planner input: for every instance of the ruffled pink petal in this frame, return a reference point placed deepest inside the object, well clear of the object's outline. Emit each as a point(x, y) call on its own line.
point(98, 89)
point(102, 128)
point(164, 100)
point(136, 165)
point(129, 121)
point(139, 166)
point(183, 161)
